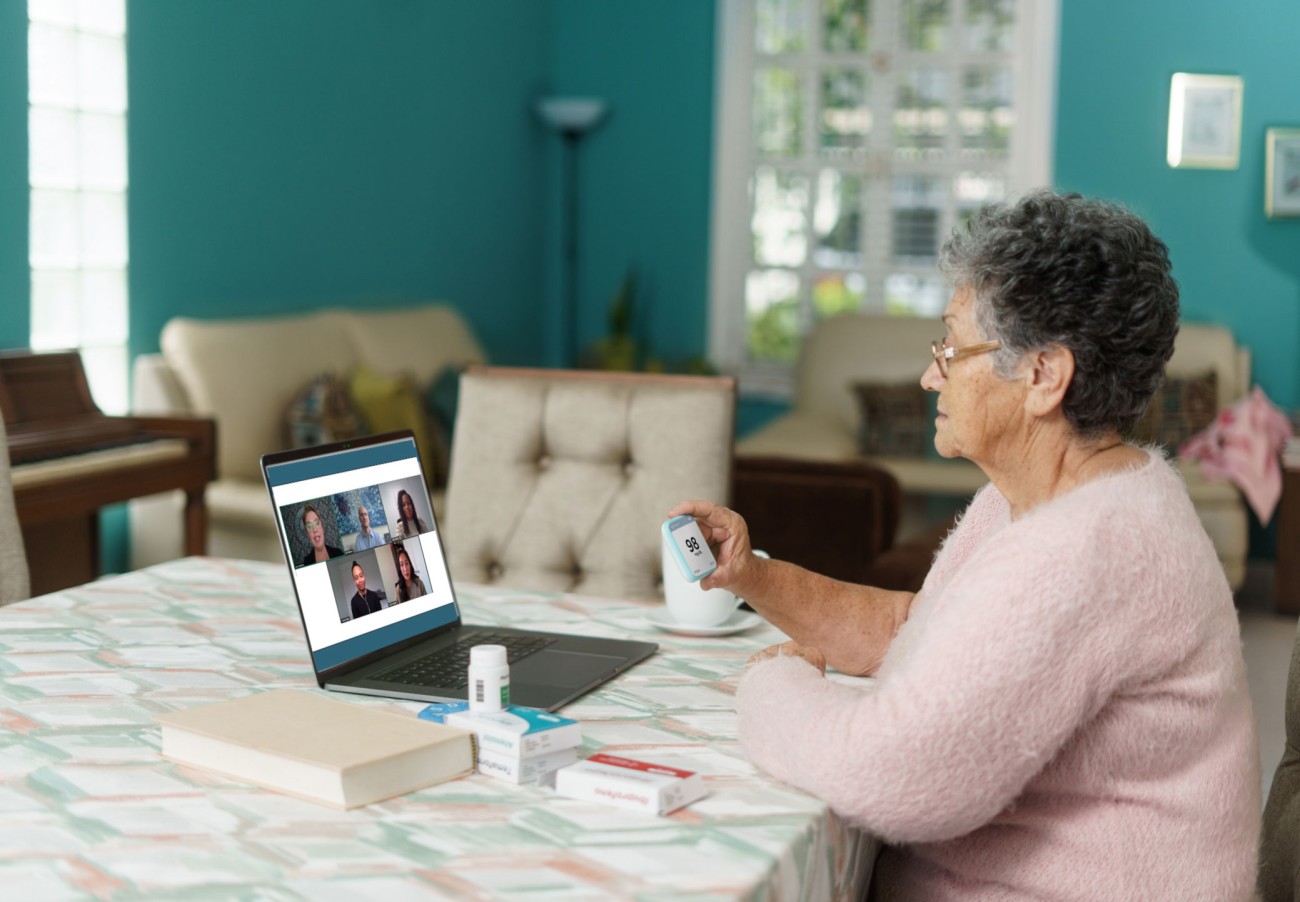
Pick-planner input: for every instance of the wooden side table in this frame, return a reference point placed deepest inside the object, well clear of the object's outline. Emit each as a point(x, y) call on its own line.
point(1286, 578)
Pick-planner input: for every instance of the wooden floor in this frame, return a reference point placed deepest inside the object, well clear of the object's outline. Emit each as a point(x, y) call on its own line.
point(1267, 639)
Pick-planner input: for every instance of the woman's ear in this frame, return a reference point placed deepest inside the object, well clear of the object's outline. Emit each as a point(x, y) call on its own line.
point(1048, 378)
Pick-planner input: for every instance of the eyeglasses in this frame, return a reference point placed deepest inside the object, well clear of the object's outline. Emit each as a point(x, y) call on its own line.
point(943, 354)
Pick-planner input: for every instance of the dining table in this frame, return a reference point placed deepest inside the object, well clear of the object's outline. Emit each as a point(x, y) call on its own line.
point(90, 810)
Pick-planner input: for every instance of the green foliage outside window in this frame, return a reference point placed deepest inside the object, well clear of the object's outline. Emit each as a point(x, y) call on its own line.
point(832, 296)
point(774, 333)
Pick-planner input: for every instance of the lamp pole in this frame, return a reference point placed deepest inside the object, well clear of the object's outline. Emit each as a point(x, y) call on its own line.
point(571, 118)
point(569, 312)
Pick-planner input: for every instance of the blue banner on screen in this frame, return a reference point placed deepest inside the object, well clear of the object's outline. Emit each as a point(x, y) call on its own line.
point(298, 470)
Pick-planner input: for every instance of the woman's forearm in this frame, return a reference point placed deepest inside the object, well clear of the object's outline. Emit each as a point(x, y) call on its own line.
point(851, 624)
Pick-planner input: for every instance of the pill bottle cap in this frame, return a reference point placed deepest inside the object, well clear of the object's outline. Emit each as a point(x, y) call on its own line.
point(488, 655)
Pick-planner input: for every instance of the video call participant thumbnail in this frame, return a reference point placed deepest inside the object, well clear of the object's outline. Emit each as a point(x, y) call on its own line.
point(408, 523)
point(319, 550)
point(367, 538)
point(365, 601)
point(409, 585)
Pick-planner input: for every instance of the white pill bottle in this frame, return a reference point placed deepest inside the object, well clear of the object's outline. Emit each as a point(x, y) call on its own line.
point(489, 678)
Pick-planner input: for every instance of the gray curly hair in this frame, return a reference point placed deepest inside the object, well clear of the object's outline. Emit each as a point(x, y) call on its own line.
point(1083, 274)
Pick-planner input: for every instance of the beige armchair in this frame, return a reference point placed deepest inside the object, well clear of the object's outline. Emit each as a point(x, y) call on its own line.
point(842, 350)
point(15, 579)
point(560, 480)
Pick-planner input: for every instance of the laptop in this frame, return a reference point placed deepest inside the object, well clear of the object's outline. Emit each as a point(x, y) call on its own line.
point(378, 607)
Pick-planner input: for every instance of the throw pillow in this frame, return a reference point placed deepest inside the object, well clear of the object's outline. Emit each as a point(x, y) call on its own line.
point(441, 399)
point(321, 412)
point(895, 419)
point(1179, 409)
point(391, 402)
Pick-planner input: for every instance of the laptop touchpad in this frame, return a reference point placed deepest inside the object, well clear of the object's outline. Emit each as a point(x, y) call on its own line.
point(562, 668)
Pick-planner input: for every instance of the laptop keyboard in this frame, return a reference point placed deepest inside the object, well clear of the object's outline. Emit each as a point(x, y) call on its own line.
point(448, 666)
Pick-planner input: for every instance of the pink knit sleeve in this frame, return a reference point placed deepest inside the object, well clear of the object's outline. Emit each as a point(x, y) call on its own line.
point(1017, 655)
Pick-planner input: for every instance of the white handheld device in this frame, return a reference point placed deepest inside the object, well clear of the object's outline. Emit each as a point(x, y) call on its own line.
point(689, 548)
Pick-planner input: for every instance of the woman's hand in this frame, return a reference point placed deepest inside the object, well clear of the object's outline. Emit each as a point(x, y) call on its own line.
point(791, 650)
point(727, 531)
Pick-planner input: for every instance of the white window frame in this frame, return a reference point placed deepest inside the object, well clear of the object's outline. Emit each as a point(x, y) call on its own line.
point(86, 277)
point(1030, 166)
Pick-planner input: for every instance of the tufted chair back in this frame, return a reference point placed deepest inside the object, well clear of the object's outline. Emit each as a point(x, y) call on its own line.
point(1279, 852)
point(15, 579)
point(560, 480)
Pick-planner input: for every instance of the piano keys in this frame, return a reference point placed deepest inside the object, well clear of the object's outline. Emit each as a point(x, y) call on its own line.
point(69, 459)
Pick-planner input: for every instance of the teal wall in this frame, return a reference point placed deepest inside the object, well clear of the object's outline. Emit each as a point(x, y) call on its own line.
point(1234, 266)
point(292, 153)
point(645, 172)
point(298, 153)
point(15, 281)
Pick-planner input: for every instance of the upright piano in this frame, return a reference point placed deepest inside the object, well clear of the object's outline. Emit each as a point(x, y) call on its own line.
point(69, 459)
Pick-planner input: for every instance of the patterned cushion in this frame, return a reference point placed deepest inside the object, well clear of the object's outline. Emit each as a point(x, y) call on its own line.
point(441, 399)
point(391, 402)
point(1179, 409)
point(894, 419)
point(321, 412)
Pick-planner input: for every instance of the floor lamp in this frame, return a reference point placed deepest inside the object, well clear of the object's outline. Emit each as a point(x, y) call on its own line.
point(571, 118)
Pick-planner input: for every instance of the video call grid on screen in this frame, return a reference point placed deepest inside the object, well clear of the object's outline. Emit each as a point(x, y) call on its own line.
point(321, 585)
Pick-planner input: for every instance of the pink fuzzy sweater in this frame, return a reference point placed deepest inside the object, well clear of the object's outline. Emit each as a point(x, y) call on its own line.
point(1064, 715)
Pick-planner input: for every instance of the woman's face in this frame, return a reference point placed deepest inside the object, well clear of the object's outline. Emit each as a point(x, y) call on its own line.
point(315, 531)
point(977, 408)
point(404, 563)
point(408, 507)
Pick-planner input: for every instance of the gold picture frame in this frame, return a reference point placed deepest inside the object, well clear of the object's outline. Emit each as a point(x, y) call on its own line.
point(1282, 173)
point(1204, 121)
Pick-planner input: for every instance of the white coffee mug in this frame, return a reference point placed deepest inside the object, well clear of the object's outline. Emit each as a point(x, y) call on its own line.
point(690, 605)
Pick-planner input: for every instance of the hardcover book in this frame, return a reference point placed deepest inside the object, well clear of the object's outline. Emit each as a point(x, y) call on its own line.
point(318, 748)
point(521, 732)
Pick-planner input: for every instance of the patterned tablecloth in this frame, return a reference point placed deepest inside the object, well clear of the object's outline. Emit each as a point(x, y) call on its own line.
point(89, 810)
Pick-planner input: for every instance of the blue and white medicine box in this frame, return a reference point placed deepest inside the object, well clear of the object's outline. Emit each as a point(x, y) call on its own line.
point(516, 731)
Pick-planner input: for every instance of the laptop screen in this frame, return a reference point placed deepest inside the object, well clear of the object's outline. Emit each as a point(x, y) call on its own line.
point(359, 534)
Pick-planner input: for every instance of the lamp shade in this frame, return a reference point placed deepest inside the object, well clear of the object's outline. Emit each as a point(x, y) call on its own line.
point(571, 114)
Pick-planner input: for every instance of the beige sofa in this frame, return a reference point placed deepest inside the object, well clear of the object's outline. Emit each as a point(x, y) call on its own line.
point(823, 421)
point(244, 373)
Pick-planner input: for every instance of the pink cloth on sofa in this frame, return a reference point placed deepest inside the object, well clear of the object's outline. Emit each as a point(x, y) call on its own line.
point(1242, 445)
point(1063, 715)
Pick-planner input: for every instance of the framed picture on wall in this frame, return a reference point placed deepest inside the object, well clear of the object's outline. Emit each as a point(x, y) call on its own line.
point(1204, 121)
point(1282, 173)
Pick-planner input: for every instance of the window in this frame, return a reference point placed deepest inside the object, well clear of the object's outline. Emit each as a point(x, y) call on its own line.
point(851, 137)
point(78, 175)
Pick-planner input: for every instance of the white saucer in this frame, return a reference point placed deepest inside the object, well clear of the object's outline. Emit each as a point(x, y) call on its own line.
point(737, 622)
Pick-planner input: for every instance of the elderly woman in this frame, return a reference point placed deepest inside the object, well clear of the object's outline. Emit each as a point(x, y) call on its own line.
point(1061, 711)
